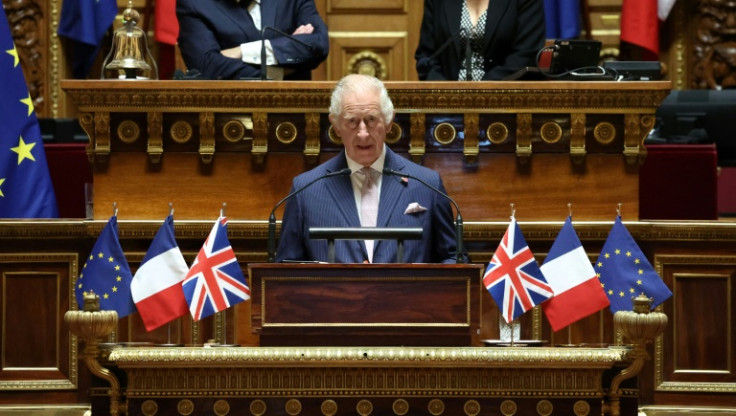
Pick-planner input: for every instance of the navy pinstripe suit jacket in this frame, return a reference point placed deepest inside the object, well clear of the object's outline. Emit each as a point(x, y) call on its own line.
point(331, 203)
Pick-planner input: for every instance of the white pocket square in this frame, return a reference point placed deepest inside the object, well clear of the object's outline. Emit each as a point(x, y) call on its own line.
point(413, 208)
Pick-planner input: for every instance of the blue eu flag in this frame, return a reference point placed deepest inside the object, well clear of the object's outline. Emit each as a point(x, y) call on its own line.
point(106, 273)
point(26, 190)
point(85, 23)
point(562, 19)
point(625, 272)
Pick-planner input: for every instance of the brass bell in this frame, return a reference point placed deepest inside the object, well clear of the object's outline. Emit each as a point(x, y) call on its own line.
point(129, 52)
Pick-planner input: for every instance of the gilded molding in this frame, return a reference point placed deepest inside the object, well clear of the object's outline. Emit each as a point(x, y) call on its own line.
point(577, 138)
point(410, 357)
point(312, 145)
point(417, 145)
point(523, 136)
point(470, 141)
point(155, 145)
point(101, 136)
point(206, 136)
point(260, 137)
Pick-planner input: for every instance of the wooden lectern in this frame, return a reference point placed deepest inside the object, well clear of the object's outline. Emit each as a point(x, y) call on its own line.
point(365, 304)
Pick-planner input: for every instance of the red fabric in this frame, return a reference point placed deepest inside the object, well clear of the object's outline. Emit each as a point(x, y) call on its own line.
point(574, 304)
point(166, 25)
point(678, 182)
point(727, 192)
point(70, 170)
point(640, 24)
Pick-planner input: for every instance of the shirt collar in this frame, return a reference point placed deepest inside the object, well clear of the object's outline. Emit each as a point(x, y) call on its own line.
point(377, 165)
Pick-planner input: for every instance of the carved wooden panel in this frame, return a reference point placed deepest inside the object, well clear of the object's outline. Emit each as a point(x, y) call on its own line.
point(699, 343)
point(35, 293)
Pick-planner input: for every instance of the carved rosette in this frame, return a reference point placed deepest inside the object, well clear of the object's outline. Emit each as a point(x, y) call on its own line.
point(471, 408)
point(400, 407)
point(329, 408)
point(293, 407)
point(508, 408)
point(258, 407)
point(436, 407)
point(497, 132)
point(364, 407)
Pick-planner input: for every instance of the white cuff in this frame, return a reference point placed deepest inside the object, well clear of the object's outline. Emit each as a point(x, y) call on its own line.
point(252, 53)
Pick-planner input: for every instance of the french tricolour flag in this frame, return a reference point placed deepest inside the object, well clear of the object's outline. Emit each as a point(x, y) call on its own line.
point(569, 273)
point(156, 286)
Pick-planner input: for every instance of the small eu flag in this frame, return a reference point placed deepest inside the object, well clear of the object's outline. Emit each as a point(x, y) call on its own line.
point(106, 273)
point(26, 190)
point(625, 272)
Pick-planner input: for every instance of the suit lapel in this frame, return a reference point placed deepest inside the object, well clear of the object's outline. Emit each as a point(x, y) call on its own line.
point(239, 16)
point(452, 10)
point(268, 13)
point(496, 11)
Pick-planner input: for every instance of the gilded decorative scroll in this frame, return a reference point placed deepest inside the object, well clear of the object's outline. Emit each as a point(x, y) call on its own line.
point(155, 147)
point(206, 136)
point(311, 144)
point(102, 136)
point(577, 137)
point(470, 147)
point(260, 137)
point(417, 146)
point(523, 136)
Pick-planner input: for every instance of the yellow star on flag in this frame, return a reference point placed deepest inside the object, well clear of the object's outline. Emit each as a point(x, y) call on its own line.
point(14, 53)
point(29, 102)
point(24, 150)
point(2, 180)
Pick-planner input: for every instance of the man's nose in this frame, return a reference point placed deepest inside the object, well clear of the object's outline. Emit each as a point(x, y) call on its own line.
point(362, 128)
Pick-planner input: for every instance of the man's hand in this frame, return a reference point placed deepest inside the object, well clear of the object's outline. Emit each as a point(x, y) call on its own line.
point(304, 29)
point(234, 53)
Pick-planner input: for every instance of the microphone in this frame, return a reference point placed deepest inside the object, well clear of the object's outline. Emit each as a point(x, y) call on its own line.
point(459, 258)
point(272, 217)
point(424, 62)
point(263, 46)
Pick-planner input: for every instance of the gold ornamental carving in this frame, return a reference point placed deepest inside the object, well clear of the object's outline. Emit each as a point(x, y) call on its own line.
point(545, 408)
point(581, 408)
point(92, 325)
point(577, 138)
point(206, 136)
point(258, 407)
point(181, 131)
point(221, 408)
point(471, 408)
point(128, 131)
point(312, 133)
point(260, 137)
point(185, 407)
point(497, 132)
point(417, 129)
point(233, 131)
point(293, 407)
point(436, 407)
point(394, 134)
point(508, 408)
point(364, 407)
point(400, 407)
point(604, 132)
point(328, 408)
point(149, 408)
point(523, 136)
point(444, 133)
point(155, 145)
point(470, 142)
point(102, 136)
point(368, 63)
point(550, 132)
point(286, 132)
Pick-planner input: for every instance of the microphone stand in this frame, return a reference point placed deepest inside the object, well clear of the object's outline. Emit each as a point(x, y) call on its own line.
point(271, 245)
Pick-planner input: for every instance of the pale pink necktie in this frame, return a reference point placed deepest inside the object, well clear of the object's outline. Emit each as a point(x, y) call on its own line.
point(369, 205)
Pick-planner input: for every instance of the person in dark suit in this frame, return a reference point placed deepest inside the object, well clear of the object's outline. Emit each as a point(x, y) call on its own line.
point(361, 113)
point(503, 36)
point(222, 38)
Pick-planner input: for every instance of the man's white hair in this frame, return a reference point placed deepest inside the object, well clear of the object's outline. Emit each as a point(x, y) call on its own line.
point(352, 83)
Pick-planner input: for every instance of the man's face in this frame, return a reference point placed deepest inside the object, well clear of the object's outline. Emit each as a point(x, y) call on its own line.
point(361, 126)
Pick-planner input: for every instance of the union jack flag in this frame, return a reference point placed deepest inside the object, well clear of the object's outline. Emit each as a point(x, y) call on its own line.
point(513, 276)
point(215, 281)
